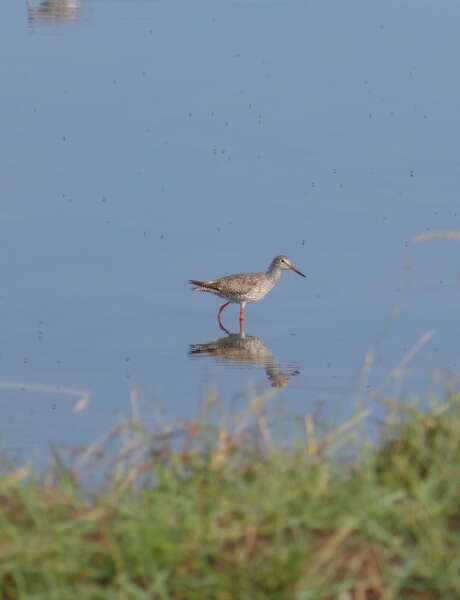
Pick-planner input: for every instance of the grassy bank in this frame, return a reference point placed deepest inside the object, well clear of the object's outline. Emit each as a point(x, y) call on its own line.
point(227, 515)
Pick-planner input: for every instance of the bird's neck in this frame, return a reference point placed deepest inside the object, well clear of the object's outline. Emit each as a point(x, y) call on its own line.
point(274, 272)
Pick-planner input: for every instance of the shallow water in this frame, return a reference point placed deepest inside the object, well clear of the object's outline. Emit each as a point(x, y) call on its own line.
point(146, 143)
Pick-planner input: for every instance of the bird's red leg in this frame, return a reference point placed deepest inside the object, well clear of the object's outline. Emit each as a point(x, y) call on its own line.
point(221, 325)
point(242, 319)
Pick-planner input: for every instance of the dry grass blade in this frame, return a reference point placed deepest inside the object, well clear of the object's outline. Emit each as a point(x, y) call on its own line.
point(83, 395)
point(265, 431)
point(312, 446)
point(133, 475)
point(14, 478)
point(224, 446)
point(400, 370)
point(341, 429)
point(399, 406)
point(94, 448)
point(448, 235)
point(330, 546)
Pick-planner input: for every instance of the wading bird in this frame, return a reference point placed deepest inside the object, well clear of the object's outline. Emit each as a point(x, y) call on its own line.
point(245, 287)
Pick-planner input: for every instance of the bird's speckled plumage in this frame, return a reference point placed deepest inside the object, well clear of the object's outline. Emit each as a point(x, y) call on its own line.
point(243, 287)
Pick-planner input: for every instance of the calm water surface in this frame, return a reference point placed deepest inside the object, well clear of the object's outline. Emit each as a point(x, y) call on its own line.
point(149, 142)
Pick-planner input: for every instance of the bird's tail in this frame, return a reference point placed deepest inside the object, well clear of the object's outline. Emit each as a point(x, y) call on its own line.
point(202, 286)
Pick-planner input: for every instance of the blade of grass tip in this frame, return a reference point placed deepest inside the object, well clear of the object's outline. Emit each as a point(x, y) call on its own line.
point(368, 363)
point(63, 473)
point(220, 455)
point(436, 235)
point(257, 402)
point(14, 478)
point(132, 441)
point(400, 370)
point(211, 399)
point(98, 443)
point(135, 448)
point(191, 435)
point(265, 432)
point(241, 423)
point(341, 429)
point(134, 401)
point(82, 402)
point(399, 406)
point(132, 433)
point(125, 431)
point(439, 410)
point(312, 446)
point(133, 474)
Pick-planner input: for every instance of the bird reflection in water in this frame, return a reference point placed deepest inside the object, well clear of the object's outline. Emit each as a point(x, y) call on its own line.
point(246, 350)
point(52, 11)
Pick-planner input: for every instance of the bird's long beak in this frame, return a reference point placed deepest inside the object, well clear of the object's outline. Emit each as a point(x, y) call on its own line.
point(296, 271)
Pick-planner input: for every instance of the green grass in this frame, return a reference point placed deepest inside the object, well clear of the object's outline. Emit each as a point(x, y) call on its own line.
point(228, 516)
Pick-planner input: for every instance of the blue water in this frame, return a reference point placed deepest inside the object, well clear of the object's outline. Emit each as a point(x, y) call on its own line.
point(146, 143)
